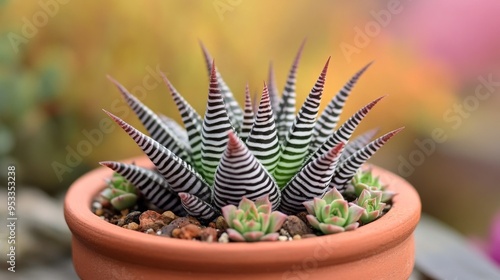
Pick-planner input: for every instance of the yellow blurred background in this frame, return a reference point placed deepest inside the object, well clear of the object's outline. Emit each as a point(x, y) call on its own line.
point(55, 55)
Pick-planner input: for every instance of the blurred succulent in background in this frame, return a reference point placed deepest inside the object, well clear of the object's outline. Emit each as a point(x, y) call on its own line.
point(253, 221)
point(236, 152)
point(119, 192)
point(332, 213)
point(364, 180)
point(370, 201)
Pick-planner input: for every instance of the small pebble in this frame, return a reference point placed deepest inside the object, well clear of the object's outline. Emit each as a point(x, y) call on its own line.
point(189, 232)
point(151, 220)
point(283, 238)
point(132, 226)
point(150, 231)
point(308, 236)
point(169, 216)
point(224, 238)
point(132, 217)
point(97, 205)
point(296, 237)
point(99, 212)
point(124, 212)
point(176, 232)
point(208, 234)
point(221, 224)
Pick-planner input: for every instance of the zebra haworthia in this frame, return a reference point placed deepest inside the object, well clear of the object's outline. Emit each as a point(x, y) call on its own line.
point(181, 177)
point(153, 186)
point(263, 139)
point(153, 124)
point(263, 149)
point(240, 174)
point(286, 107)
point(328, 120)
point(350, 166)
point(312, 181)
point(294, 148)
point(216, 125)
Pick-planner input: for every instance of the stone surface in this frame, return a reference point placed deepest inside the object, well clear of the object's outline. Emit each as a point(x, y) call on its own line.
point(169, 216)
point(177, 223)
point(151, 220)
point(189, 232)
point(208, 234)
point(221, 224)
point(295, 226)
point(132, 217)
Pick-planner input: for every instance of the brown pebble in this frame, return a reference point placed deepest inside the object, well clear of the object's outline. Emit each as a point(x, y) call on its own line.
point(132, 217)
point(212, 225)
point(221, 224)
point(194, 221)
point(295, 226)
point(168, 216)
point(151, 220)
point(177, 223)
point(189, 232)
point(132, 226)
point(302, 216)
point(99, 212)
point(308, 236)
point(176, 232)
point(296, 237)
point(124, 212)
point(208, 234)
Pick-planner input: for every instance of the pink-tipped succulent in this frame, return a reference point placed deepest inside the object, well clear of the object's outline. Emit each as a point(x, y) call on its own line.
point(253, 221)
point(371, 201)
point(332, 213)
point(364, 180)
point(120, 193)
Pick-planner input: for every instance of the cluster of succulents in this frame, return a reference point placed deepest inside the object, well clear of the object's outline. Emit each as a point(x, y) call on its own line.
point(233, 156)
point(120, 193)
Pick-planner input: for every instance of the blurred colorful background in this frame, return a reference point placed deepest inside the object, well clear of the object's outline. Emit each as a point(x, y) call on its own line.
point(436, 60)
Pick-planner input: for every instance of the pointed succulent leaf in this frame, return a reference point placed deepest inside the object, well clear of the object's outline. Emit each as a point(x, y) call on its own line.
point(328, 120)
point(286, 107)
point(248, 116)
point(177, 129)
point(312, 181)
point(214, 132)
point(153, 124)
point(235, 235)
point(198, 208)
point(192, 122)
point(332, 195)
point(343, 134)
point(180, 176)
point(295, 147)
point(346, 171)
point(263, 138)
point(124, 201)
point(273, 89)
point(270, 237)
point(355, 213)
point(357, 143)
point(240, 174)
point(152, 185)
point(234, 110)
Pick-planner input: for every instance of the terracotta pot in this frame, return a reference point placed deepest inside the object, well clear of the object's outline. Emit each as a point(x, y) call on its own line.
point(383, 249)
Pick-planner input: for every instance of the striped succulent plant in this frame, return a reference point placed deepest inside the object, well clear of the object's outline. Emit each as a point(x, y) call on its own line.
point(254, 151)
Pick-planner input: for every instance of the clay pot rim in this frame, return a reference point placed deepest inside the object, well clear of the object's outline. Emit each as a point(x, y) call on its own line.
point(393, 228)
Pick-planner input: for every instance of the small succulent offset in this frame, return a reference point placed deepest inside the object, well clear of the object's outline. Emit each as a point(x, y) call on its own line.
point(332, 213)
point(253, 221)
point(119, 192)
point(371, 201)
point(364, 180)
point(234, 154)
